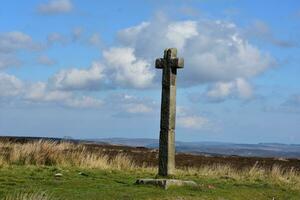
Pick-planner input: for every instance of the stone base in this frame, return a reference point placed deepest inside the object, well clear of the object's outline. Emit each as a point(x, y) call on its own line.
point(165, 183)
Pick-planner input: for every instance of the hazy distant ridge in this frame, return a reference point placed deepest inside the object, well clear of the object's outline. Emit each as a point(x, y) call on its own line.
point(222, 148)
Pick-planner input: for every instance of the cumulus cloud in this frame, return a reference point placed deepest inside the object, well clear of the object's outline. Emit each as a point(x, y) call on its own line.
point(137, 108)
point(222, 91)
point(179, 32)
point(10, 85)
point(126, 70)
point(84, 102)
point(192, 122)
point(125, 105)
point(214, 51)
point(129, 36)
point(79, 79)
point(135, 105)
point(75, 35)
point(187, 118)
point(13, 41)
point(243, 88)
point(55, 7)
point(40, 93)
point(120, 69)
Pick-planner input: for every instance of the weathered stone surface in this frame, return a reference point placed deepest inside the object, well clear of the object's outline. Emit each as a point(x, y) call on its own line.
point(165, 183)
point(169, 64)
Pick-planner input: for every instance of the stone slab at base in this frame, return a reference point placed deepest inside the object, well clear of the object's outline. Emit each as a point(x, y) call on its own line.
point(165, 183)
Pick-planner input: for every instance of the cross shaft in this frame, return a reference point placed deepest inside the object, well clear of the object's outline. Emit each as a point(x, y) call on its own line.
point(169, 64)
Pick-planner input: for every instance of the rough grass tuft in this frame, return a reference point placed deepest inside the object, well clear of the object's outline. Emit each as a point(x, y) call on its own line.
point(53, 153)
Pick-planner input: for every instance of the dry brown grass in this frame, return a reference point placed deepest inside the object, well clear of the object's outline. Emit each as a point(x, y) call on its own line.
point(276, 175)
point(60, 154)
point(68, 154)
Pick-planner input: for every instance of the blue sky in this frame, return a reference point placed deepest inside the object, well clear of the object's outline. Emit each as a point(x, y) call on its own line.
point(86, 69)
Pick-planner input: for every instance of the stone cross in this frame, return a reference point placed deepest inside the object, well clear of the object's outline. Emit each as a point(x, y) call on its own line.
point(169, 64)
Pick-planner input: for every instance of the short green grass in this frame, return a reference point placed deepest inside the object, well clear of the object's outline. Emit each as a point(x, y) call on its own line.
point(105, 184)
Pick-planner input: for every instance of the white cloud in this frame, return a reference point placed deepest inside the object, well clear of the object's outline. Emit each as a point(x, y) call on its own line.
point(84, 102)
point(79, 79)
point(13, 41)
point(130, 105)
point(10, 85)
point(129, 36)
point(188, 118)
point(221, 91)
point(75, 35)
point(36, 91)
point(138, 108)
point(55, 7)
point(244, 89)
point(121, 69)
point(126, 70)
point(193, 122)
point(214, 51)
point(40, 93)
point(179, 32)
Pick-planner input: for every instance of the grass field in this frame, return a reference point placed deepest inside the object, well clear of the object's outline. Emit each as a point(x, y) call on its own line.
point(107, 184)
point(27, 171)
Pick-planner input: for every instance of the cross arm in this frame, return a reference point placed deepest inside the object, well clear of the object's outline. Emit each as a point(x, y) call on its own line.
point(159, 63)
point(177, 62)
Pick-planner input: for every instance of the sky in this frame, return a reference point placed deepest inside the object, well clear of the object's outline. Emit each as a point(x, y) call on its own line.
point(85, 69)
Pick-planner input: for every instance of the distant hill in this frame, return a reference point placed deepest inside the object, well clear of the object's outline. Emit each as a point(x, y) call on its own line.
point(217, 148)
point(277, 150)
